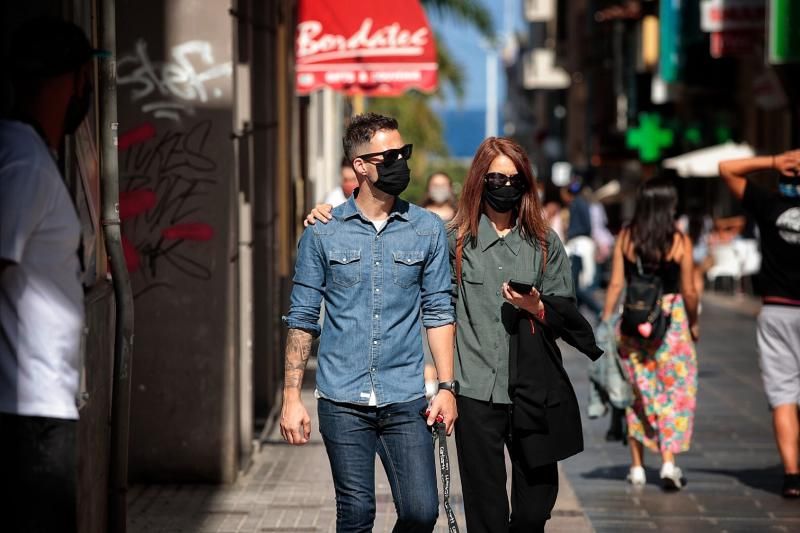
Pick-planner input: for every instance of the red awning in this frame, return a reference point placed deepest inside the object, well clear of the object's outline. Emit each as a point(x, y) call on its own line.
point(376, 48)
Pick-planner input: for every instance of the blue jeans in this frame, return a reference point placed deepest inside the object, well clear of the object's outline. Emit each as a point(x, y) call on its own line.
point(353, 434)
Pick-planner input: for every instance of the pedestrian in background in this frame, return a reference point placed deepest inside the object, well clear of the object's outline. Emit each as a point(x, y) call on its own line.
point(662, 371)
point(41, 297)
point(778, 332)
point(381, 266)
point(604, 246)
point(440, 197)
point(580, 245)
point(344, 190)
point(514, 391)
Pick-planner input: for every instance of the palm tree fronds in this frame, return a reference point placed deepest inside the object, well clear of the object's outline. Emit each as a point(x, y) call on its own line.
point(469, 11)
point(450, 71)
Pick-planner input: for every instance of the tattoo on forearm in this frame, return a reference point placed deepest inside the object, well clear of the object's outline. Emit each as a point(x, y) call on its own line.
point(298, 349)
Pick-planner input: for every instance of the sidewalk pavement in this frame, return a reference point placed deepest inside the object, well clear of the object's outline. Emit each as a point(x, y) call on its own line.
point(733, 469)
point(289, 489)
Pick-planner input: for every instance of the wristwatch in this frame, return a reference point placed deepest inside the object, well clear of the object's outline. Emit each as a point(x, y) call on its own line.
point(452, 386)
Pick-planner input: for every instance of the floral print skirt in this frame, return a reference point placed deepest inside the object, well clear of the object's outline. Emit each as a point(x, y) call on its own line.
point(664, 374)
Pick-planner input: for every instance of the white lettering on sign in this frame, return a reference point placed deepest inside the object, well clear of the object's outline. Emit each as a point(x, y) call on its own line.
point(727, 15)
point(340, 77)
point(407, 75)
point(313, 45)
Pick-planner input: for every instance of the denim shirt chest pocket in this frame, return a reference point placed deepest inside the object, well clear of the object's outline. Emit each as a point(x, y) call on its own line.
point(407, 267)
point(345, 266)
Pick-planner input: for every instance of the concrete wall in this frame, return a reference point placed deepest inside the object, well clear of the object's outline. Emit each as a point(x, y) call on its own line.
point(180, 217)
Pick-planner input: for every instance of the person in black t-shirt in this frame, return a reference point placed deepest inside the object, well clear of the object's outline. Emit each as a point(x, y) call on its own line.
point(778, 334)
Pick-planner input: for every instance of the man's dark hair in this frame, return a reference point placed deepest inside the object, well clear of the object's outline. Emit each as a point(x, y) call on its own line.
point(361, 129)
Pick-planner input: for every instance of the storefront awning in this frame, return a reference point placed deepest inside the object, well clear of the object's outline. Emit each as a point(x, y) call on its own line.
point(375, 48)
point(704, 163)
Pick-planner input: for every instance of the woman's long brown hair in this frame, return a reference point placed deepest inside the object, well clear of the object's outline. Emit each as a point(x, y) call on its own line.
point(530, 218)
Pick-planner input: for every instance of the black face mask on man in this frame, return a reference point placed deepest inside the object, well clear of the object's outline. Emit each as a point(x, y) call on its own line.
point(503, 199)
point(394, 178)
point(77, 109)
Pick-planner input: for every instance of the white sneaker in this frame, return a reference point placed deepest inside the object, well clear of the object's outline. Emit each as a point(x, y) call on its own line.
point(636, 476)
point(671, 477)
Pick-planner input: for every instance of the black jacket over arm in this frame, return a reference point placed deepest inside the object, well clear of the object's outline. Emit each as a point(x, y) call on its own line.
point(546, 419)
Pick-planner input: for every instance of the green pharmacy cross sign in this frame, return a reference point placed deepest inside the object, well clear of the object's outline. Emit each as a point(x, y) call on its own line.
point(649, 138)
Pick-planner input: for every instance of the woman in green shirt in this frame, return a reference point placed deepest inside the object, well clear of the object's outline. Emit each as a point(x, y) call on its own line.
point(498, 235)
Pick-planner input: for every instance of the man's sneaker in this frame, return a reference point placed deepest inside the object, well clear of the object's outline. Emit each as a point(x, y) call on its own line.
point(671, 477)
point(636, 476)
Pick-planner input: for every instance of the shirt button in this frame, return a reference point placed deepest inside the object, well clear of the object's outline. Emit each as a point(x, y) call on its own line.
point(374, 342)
point(377, 290)
point(376, 316)
point(497, 320)
point(372, 370)
point(499, 268)
point(493, 371)
point(377, 262)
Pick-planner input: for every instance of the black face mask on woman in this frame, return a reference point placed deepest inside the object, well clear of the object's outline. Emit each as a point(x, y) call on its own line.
point(503, 199)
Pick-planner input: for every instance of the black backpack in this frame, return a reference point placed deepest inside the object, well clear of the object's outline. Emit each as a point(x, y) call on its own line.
point(642, 314)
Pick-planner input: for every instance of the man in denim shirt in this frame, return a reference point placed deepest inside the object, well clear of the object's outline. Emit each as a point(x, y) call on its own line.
point(376, 264)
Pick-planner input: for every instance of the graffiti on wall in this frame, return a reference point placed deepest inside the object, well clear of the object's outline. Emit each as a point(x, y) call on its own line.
point(168, 173)
point(166, 177)
point(171, 89)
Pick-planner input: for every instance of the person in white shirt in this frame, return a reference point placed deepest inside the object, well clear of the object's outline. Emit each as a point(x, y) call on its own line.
point(340, 194)
point(41, 297)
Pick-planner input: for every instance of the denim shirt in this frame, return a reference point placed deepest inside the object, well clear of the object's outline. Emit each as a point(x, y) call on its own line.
point(374, 285)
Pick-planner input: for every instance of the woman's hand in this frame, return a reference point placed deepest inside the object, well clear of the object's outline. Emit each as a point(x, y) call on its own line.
point(695, 330)
point(321, 212)
point(531, 303)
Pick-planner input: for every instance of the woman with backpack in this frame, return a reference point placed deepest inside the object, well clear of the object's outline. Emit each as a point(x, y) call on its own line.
point(653, 262)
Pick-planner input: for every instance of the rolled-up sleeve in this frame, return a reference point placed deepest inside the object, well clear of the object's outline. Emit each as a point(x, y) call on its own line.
point(309, 285)
point(437, 305)
point(558, 272)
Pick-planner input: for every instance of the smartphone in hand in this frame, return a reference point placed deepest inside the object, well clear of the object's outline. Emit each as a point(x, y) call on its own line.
point(520, 287)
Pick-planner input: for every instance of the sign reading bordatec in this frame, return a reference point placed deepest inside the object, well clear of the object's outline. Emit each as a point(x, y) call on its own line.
point(375, 48)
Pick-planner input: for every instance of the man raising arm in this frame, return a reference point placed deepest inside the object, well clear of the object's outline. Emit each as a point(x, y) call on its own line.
point(778, 330)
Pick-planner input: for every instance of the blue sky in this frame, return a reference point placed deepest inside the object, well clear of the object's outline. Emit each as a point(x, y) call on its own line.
point(464, 44)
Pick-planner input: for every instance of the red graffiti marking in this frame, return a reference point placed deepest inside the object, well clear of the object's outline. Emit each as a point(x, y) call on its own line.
point(132, 259)
point(166, 175)
point(192, 231)
point(133, 203)
point(135, 136)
